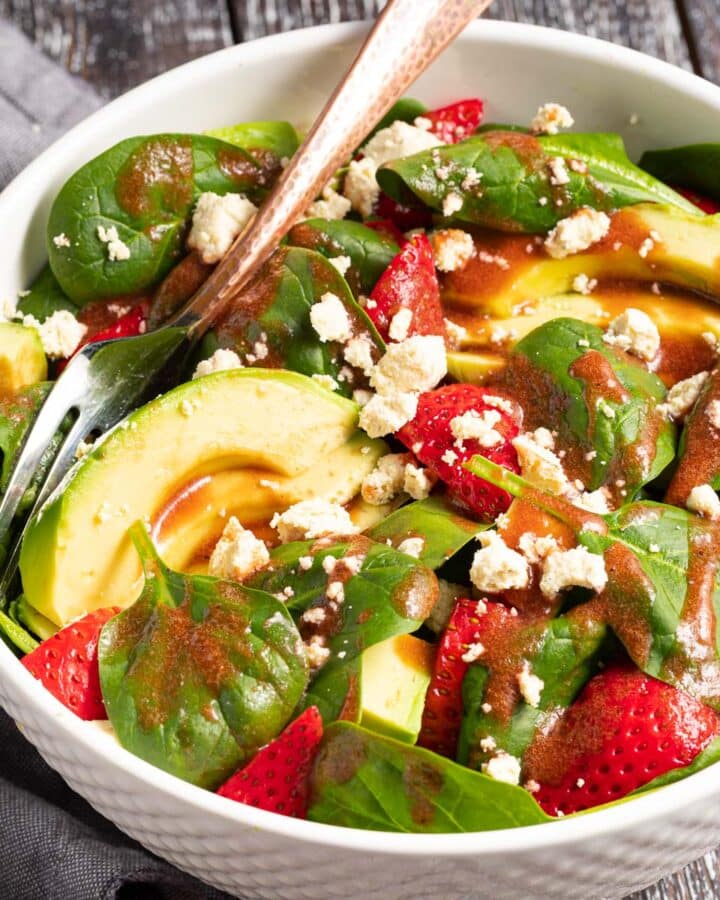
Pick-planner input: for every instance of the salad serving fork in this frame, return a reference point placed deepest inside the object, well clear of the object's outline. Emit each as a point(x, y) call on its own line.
point(105, 381)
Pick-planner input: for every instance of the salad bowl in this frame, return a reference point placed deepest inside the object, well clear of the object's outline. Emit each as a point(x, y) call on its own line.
point(246, 851)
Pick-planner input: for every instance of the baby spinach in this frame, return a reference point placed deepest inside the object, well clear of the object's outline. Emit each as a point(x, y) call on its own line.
point(695, 166)
point(370, 252)
point(363, 780)
point(563, 652)
point(145, 187)
point(590, 414)
point(443, 529)
point(274, 310)
point(198, 673)
point(278, 138)
point(503, 179)
point(45, 297)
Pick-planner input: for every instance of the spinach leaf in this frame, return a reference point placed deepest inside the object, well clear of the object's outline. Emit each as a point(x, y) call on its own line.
point(198, 673)
point(695, 166)
point(363, 780)
point(45, 297)
point(385, 593)
point(406, 109)
point(710, 755)
point(275, 310)
point(503, 179)
point(279, 138)
point(370, 252)
point(563, 652)
point(145, 187)
point(608, 407)
point(443, 528)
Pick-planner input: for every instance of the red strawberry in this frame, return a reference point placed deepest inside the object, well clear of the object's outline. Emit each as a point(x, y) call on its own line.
point(67, 665)
point(443, 711)
point(404, 217)
point(409, 282)
point(132, 323)
point(624, 729)
point(431, 439)
point(706, 204)
point(276, 778)
point(454, 123)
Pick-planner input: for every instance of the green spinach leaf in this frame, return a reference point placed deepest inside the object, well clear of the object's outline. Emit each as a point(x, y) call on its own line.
point(45, 297)
point(145, 188)
point(198, 673)
point(362, 780)
point(279, 138)
point(695, 166)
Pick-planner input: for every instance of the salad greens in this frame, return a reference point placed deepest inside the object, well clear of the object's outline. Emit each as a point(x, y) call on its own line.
point(45, 297)
point(257, 138)
point(695, 166)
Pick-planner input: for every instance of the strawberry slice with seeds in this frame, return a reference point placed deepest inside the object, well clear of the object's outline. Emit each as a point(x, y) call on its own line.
point(625, 729)
point(408, 283)
point(276, 778)
point(457, 121)
point(67, 665)
point(433, 437)
point(706, 204)
point(460, 644)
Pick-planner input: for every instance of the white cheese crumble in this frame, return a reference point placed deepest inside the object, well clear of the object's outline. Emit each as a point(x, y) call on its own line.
point(341, 263)
point(360, 186)
point(383, 415)
point(400, 324)
point(713, 413)
point(59, 334)
point(539, 464)
point(495, 567)
point(559, 174)
point(452, 204)
point(310, 519)
point(61, 240)
point(330, 319)
point(635, 332)
point(584, 285)
point(503, 767)
point(550, 118)
point(238, 553)
point(414, 365)
point(704, 501)
point(452, 249)
point(117, 250)
point(473, 425)
point(412, 546)
point(326, 381)
point(358, 353)
point(316, 652)
point(221, 361)
point(531, 687)
point(536, 547)
point(577, 232)
point(330, 205)
point(418, 482)
point(216, 222)
point(473, 652)
point(572, 568)
point(386, 480)
point(682, 396)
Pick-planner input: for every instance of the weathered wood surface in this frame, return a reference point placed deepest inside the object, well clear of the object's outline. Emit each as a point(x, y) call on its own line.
point(116, 44)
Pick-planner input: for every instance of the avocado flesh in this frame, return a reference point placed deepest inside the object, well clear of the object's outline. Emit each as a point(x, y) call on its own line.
point(76, 556)
point(22, 358)
point(395, 678)
point(686, 257)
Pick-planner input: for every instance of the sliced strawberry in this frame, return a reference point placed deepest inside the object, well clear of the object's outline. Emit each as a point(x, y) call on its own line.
point(404, 217)
point(431, 439)
point(706, 204)
point(454, 123)
point(409, 282)
point(388, 229)
point(624, 729)
point(443, 711)
point(67, 665)
point(276, 778)
point(132, 323)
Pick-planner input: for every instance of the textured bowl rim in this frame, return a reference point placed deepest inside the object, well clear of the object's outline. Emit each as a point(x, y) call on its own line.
point(27, 692)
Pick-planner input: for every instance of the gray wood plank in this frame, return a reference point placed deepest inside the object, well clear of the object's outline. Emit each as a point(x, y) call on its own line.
point(255, 18)
point(119, 44)
point(702, 23)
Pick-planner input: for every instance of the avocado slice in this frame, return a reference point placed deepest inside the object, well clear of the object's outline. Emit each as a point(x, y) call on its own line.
point(250, 425)
point(473, 368)
point(22, 358)
point(686, 257)
point(395, 678)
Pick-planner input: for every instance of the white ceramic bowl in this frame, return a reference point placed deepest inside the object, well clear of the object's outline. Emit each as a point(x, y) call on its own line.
point(256, 854)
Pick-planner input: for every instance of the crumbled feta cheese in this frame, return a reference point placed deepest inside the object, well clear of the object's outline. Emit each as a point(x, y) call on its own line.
point(488, 744)
point(330, 319)
point(647, 246)
point(336, 592)
point(418, 482)
point(503, 767)
point(495, 567)
point(584, 285)
point(473, 425)
point(456, 333)
point(316, 651)
point(572, 568)
point(704, 501)
point(305, 563)
point(316, 615)
point(311, 519)
point(341, 263)
point(61, 240)
point(326, 381)
point(713, 413)
point(383, 415)
point(536, 547)
point(594, 501)
point(559, 174)
point(117, 250)
point(710, 339)
point(577, 232)
point(423, 122)
point(539, 464)
point(386, 480)
point(452, 203)
point(635, 332)
point(550, 118)
point(452, 249)
point(531, 687)
point(682, 396)
point(216, 222)
point(400, 324)
point(238, 553)
point(473, 653)
point(412, 546)
point(449, 457)
point(59, 334)
point(414, 365)
point(362, 398)
point(82, 449)
point(221, 361)
point(358, 353)
point(360, 186)
point(330, 205)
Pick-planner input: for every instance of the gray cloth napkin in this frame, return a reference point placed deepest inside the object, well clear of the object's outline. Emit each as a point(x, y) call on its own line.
point(57, 847)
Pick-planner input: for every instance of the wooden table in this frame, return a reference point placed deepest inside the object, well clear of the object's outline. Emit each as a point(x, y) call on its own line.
point(116, 44)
